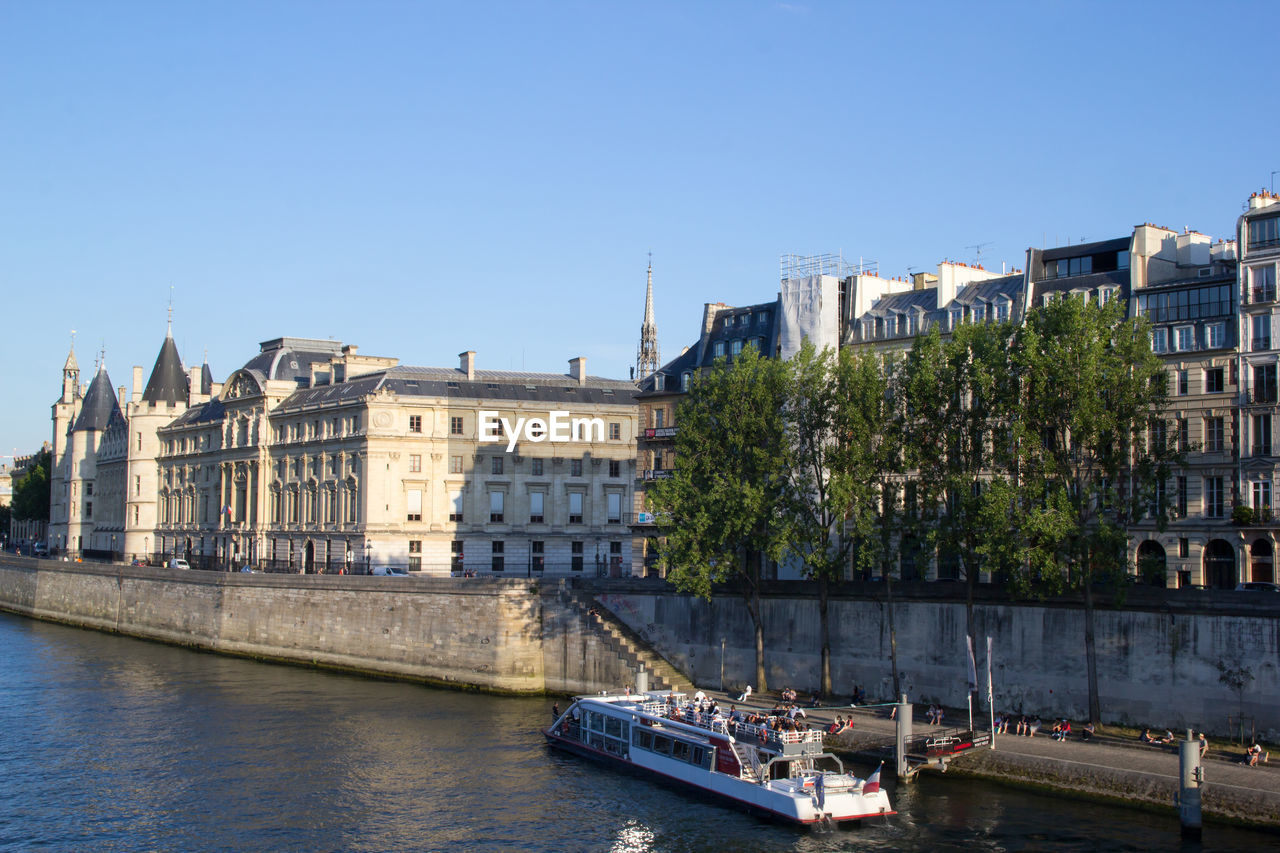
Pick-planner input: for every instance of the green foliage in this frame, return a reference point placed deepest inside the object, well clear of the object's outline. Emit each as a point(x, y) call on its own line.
point(31, 492)
point(725, 500)
point(836, 428)
point(1087, 421)
point(1242, 515)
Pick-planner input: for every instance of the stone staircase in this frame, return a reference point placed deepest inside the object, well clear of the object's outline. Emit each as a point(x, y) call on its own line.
point(627, 644)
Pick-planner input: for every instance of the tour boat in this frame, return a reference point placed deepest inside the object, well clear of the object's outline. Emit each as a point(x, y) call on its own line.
point(758, 765)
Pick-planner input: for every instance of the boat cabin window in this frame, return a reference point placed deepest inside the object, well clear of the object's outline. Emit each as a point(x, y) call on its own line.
point(680, 751)
point(662, 745)
point(644, 739)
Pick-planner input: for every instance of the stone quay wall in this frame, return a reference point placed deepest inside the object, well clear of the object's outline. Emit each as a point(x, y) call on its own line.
point(1161, 656)
point(1158, 664)
point(507, 636)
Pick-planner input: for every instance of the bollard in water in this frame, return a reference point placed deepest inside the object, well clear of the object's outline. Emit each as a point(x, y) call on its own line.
point(902, 734)
point(1190, 778)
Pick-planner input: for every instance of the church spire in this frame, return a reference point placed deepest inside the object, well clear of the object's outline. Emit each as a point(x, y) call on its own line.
point(647, 359)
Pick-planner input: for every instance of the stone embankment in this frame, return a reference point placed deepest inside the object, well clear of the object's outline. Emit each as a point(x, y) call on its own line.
point(505, 636)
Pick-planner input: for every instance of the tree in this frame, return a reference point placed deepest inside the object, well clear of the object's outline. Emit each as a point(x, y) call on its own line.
point(1092, 452)
point(721, 511)
point(960, 396)
point(31, 491)
point(832, 406)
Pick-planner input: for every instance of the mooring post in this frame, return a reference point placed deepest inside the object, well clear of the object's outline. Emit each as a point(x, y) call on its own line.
point(902, 733)
point(1190, 778)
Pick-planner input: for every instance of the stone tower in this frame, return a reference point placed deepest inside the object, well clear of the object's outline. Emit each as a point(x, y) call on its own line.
point(98, 411)
point(65, 410)
point(167, 396)
point(647, 358)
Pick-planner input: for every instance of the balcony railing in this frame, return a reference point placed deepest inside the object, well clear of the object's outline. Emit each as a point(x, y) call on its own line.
point(1260, 344)
point(1260, 397)
point(1262, 294)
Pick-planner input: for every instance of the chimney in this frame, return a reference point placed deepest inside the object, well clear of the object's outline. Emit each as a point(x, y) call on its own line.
point(193, 385)
point(122, 395)
point(468, 363)
point(137, 382)
point(578, 369)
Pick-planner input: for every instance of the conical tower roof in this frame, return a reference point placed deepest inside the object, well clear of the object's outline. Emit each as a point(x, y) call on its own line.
point(99, 405)
point(168, 382)
point(72, 364)
point(206, 379)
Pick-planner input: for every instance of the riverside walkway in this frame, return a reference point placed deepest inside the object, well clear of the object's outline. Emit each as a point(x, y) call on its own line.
point(1105, 767)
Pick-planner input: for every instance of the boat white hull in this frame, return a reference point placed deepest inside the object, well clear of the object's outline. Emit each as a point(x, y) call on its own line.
point(774, 799)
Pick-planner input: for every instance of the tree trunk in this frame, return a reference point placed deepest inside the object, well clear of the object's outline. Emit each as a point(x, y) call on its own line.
point(753, 607)
point(1090, 652)
point(970, 585)
point(825, 630)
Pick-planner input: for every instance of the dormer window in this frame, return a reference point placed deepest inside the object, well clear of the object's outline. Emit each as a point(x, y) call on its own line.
point(979, 312)
point(1002, 310)
point(762, 318)
point(719, 349)
point(956, 317)
point(685, 379)
point(736, 347)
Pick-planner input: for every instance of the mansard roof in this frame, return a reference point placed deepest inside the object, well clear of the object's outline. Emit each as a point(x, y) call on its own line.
point(451, 383)
point(168, 382)
point(291, 358)
point(100, 406)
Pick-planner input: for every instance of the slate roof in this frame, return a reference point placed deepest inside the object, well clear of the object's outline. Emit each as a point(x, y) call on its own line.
point(203, 413)
point(291, 358)
point(452, 384)
point(727, 327)
point(206, 379)
point(168, 382)
point(100, 407)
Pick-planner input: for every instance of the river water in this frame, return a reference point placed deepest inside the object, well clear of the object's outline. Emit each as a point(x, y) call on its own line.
point(113, 744)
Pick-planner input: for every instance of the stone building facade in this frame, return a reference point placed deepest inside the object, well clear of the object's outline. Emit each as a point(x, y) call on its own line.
point(313, 457)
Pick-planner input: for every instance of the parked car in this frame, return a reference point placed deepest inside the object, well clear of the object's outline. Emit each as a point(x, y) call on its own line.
point(179, 563)
point(389, 571)
point(1258, 586)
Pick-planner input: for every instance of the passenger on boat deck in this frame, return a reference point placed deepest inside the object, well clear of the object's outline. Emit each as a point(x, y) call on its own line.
point(699, 696)
point(555, 711)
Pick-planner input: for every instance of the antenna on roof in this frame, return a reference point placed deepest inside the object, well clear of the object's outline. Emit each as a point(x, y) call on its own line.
point(169, 329)
point(73, 339)
point(977, 251)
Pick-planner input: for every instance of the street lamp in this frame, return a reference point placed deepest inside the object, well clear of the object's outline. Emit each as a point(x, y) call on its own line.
point(146, 549)
point(368, 555)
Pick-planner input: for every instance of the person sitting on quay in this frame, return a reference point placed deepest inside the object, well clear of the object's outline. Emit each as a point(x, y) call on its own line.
point(1146, 737)
point(1087, 731)
point(1033, 727)
point(1168, 738)
point(746, 694)
point(1256, 754)
point(1021, 728)
point(1062, 729)
point(859, 698)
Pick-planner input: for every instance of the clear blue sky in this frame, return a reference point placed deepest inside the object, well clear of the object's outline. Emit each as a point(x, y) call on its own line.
point(421, 178)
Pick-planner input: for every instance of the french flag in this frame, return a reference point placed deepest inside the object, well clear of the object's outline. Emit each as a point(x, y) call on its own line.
point(872, 785)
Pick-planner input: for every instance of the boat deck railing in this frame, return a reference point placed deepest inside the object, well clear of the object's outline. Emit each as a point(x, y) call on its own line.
point(772, 736)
